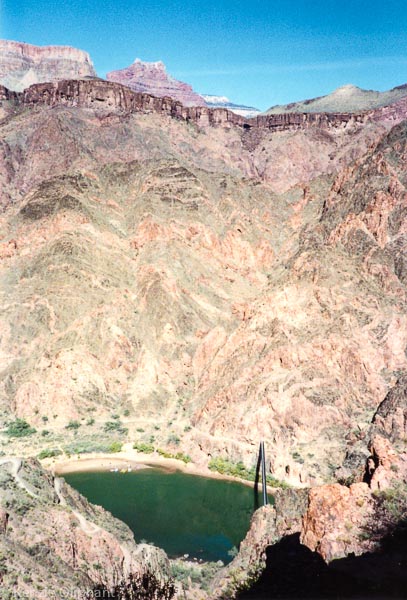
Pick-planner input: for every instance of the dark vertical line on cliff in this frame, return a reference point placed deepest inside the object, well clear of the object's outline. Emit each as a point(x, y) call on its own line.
point(263, 473)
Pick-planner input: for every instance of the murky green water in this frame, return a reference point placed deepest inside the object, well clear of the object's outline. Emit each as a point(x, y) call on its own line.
point(183, 514)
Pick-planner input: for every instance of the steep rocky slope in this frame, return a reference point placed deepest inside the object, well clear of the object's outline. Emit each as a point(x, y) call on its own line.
point(217, 278)
point(22, 65)
point(152, 78)
point(348, 98)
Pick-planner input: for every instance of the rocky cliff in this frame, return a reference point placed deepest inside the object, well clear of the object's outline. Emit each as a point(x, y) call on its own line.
point(152, 78)
point(108, 96)
point(210, 281)
point(22, 65)
point(256, 274)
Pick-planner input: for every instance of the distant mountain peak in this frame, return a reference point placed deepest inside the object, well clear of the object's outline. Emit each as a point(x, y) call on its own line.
point(347, 98)
point(158, 64)
point(152, 78)
point(223, 102)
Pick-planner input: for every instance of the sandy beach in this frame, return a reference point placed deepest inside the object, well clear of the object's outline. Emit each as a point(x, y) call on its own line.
point(134, 460)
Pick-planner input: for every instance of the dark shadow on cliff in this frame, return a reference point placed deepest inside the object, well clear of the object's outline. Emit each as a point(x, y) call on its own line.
point(256, 483)
point(293, 572)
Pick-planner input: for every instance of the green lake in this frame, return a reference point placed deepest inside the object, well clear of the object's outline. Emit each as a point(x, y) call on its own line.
point(181, 513)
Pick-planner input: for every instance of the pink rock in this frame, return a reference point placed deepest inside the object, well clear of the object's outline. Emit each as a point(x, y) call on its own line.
point(152, 78)
point(22, 65)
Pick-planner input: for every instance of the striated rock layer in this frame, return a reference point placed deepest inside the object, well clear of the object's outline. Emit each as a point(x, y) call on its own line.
point(22, 65)
point(152, 78)
point(222, 283)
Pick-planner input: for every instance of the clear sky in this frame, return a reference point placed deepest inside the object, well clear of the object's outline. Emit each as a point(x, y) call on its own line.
point(256, 52)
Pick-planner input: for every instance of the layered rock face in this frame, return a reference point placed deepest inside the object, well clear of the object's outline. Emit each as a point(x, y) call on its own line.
point(152, 78)
point(238, 283)
point(22, 65)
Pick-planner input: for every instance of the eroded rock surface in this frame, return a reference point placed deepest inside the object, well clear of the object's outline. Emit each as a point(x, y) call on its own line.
point(22, 65)
point(187, 283)
point(152, 78)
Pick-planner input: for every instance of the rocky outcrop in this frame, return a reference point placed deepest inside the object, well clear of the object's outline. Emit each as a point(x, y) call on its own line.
point(340, 520)
point(390, 418)
point(268, 525)
point(335, 519)
point(152, 78)
point(22, 65)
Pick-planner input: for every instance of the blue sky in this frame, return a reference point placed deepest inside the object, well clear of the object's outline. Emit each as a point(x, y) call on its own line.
point(256, 52)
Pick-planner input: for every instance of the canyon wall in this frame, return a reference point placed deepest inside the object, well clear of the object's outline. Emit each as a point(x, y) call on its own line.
point(104, 95)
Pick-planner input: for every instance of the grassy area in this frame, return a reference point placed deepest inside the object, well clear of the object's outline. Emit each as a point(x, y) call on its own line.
point(227, 467)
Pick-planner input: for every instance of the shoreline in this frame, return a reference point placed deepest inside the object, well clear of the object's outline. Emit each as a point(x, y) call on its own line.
point(136, 461)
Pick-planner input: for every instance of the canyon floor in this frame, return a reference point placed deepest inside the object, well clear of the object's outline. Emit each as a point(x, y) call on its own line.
point(198, 286)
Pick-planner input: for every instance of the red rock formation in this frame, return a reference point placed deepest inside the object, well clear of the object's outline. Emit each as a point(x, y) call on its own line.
point(152, 78)
point(103, 95)
point(335, 518)
point(21, 64)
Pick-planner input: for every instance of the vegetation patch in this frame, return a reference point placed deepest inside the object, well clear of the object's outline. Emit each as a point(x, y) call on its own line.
point(227, 467)
point(19, 428)
point(178, 455)
point(49, 453)
point(143, 447)
point(115, 426)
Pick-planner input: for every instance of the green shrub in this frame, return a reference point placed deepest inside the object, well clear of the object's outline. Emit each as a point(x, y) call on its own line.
point(173, 439)
point(90, 421)
point(49, 453)
point(142, 447)
point(115, 447)
point(184, 457)
point(85, 447)
point(73, 425)
point(19, 428)
point(179, 455)
point(115, 426)
point(164, 453)
point(227, 467)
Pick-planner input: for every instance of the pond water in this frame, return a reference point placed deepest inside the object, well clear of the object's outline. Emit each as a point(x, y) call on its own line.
point(181, 513)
